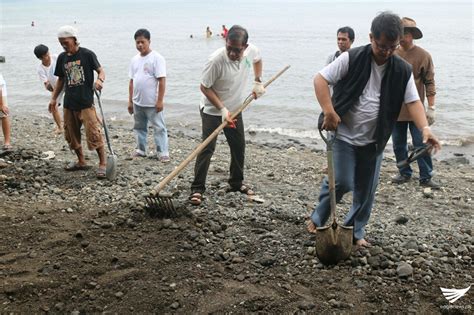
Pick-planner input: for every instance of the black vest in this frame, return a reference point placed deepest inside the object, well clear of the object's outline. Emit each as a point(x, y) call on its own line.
point(348, 90)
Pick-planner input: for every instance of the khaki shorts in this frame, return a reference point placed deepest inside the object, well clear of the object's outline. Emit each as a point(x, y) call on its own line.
point(4, 102)
point(73, 122)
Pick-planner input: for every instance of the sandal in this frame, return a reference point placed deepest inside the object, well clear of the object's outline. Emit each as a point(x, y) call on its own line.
point(74, 166)
point(244, 189)
point(7, 148)
point(101, 173)
point(195, 198)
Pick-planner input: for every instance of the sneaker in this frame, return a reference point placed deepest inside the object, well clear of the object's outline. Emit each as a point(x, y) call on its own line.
point(165, 159)
point(137, 154)
point(430, 183)
point(400, 179)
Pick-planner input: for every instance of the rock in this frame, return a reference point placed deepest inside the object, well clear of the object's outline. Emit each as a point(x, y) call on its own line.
point(457, 160)
point(69, 210)
point(401, 219)
point(374, 261)
point(267, 261)
point(175, 305)
point(167, 223)
point(59, 306)
point(306, 306)
point(427, 192)
point(411, 244)
point(404, 270)
point(462, 249)
point(119, 294)
point(418, 262)
point(375, 250)
point(334, 303)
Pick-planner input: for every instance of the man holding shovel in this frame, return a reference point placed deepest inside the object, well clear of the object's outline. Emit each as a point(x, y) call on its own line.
point(370, 86)
point(75, 69)
point(223, 85)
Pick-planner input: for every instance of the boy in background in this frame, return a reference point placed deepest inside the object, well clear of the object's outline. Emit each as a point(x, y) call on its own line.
point(46, 74)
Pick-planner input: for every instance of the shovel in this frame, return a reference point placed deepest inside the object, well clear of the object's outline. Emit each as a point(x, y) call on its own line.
point(333, 242)
point(111, 168)
point(160, 203)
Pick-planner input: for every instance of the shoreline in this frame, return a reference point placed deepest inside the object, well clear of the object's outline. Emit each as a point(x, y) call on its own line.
point(72, 243)
point(461, 153)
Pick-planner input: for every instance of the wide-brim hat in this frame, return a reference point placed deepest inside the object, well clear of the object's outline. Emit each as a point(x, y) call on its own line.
point(410, 25)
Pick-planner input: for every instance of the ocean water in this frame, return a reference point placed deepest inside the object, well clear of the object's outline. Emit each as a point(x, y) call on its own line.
point(299, 33)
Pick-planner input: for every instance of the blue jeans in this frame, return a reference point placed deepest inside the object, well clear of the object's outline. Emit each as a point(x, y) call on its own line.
point(356, 169)
point(400, 148)
point(143, 115)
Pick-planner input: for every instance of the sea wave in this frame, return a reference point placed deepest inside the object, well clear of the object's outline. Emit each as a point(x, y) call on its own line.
point(462, 141)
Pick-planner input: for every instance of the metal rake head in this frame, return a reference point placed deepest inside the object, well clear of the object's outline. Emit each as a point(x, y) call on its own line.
point(160, 205)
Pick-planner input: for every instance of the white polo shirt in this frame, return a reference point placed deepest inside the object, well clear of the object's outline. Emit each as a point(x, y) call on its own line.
point(227, 78)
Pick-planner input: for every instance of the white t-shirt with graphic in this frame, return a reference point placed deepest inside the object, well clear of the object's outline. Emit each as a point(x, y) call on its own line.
point(46, 74)
point(145, 72)
point(358, 125)
point(227, 78)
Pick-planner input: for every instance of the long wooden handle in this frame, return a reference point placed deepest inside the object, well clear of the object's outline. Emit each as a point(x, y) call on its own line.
point(216, 132)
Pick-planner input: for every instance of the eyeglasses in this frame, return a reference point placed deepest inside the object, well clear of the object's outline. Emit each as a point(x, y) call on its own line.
point(235, 50)
point(385, 48)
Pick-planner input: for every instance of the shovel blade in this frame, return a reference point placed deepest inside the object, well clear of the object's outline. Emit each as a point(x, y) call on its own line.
point(333, 243)
point(111, 168)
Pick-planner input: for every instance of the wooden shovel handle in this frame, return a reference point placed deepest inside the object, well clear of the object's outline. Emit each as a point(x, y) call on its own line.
point(216, 132)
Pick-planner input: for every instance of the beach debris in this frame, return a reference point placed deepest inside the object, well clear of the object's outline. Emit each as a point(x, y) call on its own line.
point(48, 155)
point(256, 199)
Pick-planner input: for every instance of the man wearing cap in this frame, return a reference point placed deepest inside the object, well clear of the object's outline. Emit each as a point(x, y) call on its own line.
point(423, 72)
point(75, 69)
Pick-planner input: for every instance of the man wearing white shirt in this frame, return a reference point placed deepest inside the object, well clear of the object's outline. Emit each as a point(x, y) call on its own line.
point(146, 93)
point(370, 86)
point(46, 74)
point(223, 85)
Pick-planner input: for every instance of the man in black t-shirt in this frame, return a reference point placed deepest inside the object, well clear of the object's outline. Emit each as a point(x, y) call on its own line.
point(75, 69)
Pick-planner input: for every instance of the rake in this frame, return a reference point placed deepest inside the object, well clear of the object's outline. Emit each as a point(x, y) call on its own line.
point(160, 203)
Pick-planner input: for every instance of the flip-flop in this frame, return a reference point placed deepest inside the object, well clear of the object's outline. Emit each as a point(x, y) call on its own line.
point(7, 148)
point(195, 198)
point(74, 166)
point(101, 173)
point(243, 189)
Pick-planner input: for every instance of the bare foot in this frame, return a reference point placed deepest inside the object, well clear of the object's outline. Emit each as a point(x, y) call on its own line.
point(58, 131)
point(311, 227)
point(362, 243)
